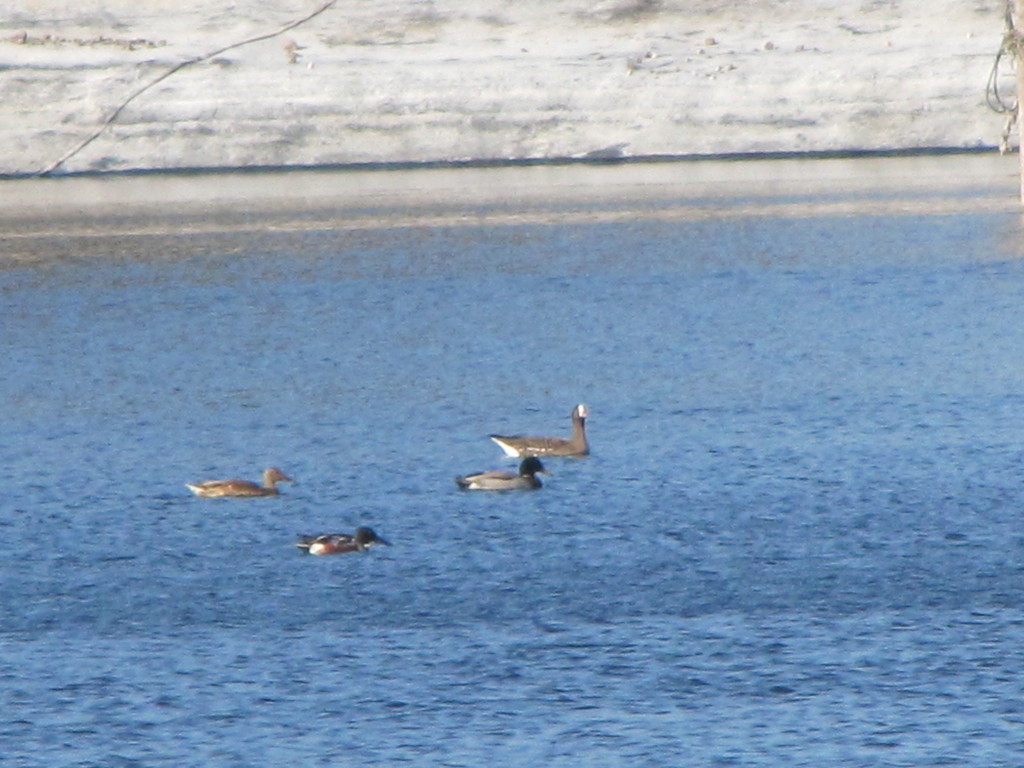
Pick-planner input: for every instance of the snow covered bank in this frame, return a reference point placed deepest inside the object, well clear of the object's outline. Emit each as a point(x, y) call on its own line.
point(401, 81)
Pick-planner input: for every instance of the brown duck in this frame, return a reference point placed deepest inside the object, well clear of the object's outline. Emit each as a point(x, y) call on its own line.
point(218, 488)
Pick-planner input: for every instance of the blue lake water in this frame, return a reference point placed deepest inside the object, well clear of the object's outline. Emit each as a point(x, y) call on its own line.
point(797, 542)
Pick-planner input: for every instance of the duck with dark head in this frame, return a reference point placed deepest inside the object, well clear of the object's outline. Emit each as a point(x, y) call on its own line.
point(340, 543)
point(500, 480)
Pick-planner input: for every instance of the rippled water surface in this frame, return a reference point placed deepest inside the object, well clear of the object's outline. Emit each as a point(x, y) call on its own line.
point(797, 542)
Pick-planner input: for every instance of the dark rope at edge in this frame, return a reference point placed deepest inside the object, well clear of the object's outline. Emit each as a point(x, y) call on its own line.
point(1011, 46)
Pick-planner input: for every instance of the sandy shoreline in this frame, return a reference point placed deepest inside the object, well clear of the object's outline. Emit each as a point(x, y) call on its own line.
point(176, 205)
point(432, 82)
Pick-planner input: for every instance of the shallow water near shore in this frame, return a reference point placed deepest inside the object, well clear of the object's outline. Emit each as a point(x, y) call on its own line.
point(797, 540)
